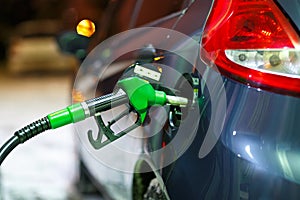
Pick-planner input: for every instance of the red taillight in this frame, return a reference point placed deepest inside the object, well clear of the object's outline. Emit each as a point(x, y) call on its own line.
point(253, 42)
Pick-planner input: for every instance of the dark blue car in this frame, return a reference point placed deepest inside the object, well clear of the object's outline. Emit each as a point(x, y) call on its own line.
point(238, 62)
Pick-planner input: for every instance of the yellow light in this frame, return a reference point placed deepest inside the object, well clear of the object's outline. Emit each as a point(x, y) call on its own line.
point(86, 28)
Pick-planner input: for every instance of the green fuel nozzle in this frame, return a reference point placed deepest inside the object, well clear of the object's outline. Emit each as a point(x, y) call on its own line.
point(142, 95)
point(138, 92)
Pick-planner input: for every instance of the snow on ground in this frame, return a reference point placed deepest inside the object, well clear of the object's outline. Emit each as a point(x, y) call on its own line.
point(45, 166)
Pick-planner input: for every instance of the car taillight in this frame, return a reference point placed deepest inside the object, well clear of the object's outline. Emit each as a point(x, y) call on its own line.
point(251, 41)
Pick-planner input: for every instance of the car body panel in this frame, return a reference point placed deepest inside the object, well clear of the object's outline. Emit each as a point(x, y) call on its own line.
point(259, 127)
point(292, 10)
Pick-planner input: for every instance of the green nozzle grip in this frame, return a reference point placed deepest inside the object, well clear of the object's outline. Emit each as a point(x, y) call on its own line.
point(141, 95)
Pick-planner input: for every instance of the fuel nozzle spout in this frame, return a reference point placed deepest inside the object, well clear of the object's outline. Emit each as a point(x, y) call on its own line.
point(176, 101)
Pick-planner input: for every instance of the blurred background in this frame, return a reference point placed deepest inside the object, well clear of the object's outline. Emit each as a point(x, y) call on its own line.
point(36, 79)
point(42, 43)
point(65, 12)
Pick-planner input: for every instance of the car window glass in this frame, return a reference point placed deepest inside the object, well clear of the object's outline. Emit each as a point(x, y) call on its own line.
point(151, 10)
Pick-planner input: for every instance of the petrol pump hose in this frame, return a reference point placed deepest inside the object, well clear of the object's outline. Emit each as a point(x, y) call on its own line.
point(137, 91)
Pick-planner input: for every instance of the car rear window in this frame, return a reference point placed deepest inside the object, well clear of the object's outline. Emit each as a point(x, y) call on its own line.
point(135, 13)
point(154, 9)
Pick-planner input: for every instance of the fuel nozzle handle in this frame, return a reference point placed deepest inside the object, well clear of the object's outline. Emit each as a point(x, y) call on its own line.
point(138, 92)
point(142, 95)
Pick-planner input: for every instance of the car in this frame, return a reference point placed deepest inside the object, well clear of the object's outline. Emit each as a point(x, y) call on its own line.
point(34, 47)
point(238, 64)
